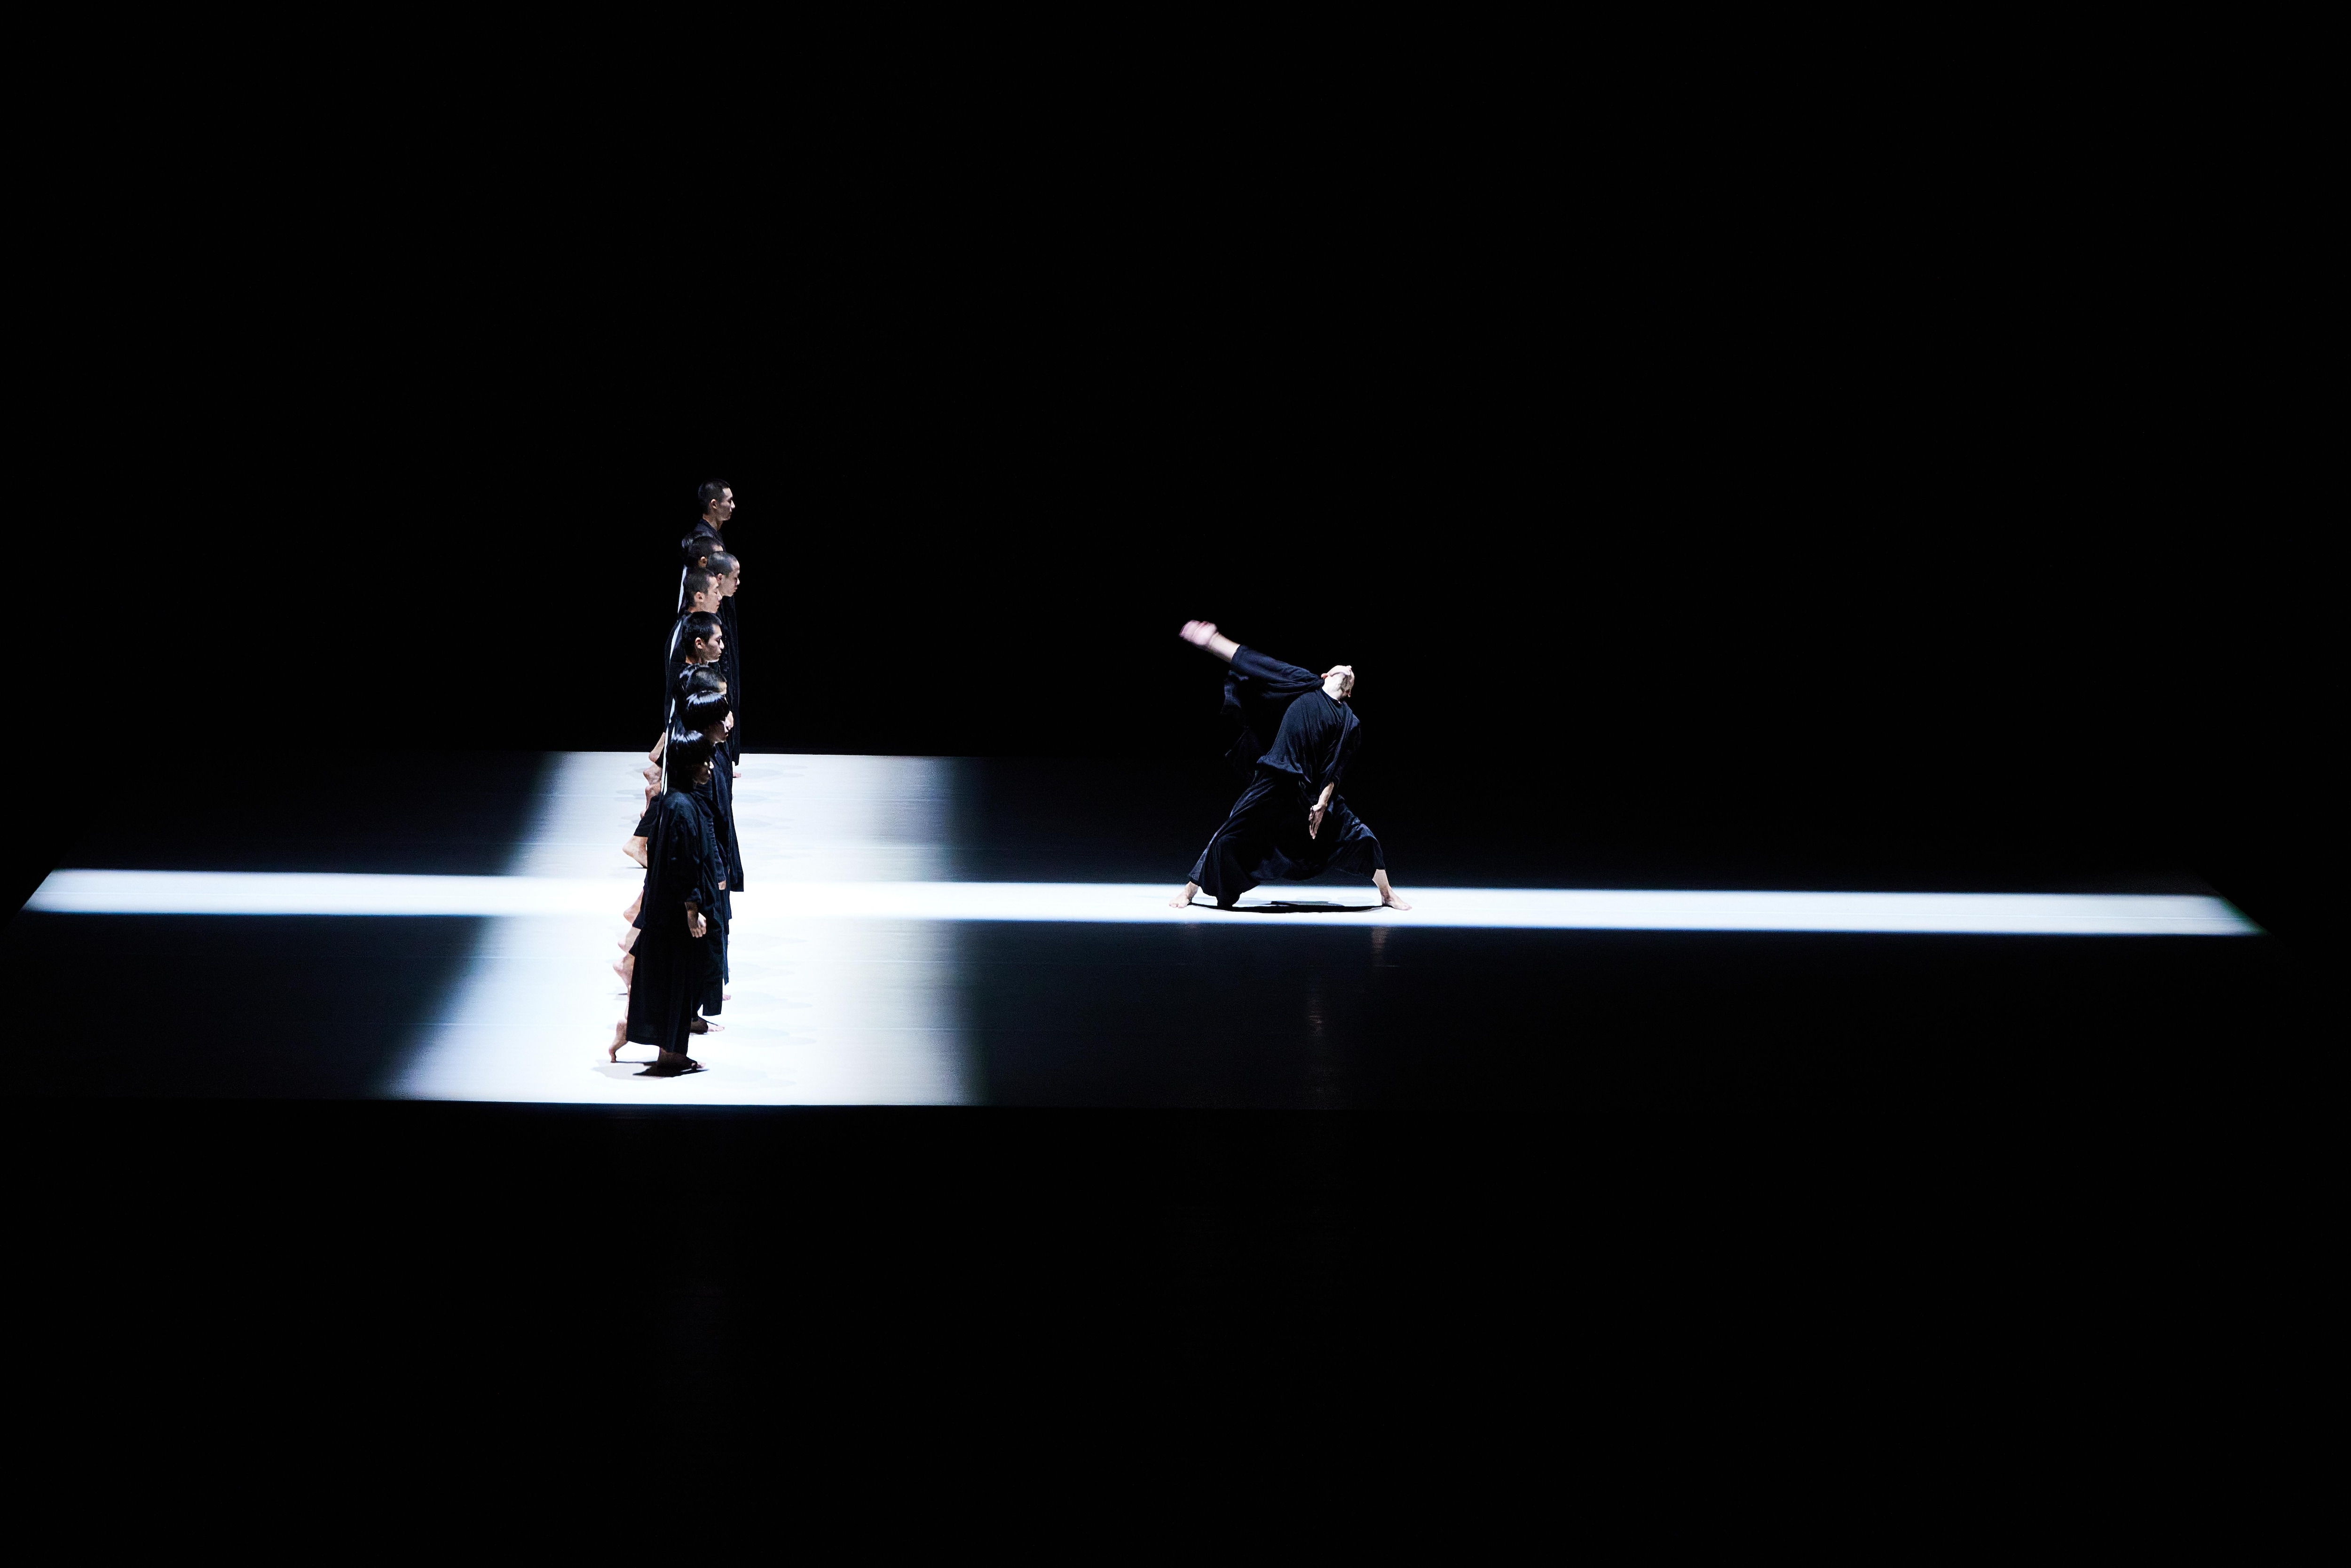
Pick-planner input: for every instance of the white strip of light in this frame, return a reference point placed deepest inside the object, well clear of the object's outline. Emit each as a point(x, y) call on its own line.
point(1585, 909)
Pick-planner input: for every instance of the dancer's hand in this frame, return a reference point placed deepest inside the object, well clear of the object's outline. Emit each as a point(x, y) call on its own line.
point(1314, 822)
point(1198, 633)
point(695, 924)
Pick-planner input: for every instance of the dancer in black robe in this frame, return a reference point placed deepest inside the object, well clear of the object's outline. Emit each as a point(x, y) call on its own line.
point(703, 680)
point(675, 960)
point(696, 642)
point(717, 506)
point(704, 713)
point(699, 637)
point(728, 569)
point(1290, 823)
point(696, 639)
point(699, 684)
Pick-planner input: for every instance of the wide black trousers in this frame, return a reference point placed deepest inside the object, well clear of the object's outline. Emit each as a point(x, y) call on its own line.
point(1264, 838)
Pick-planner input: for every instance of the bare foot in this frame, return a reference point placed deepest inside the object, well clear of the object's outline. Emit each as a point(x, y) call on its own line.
point(1387, 894)
point(620, 1039)
point(625, 966)
point(635, 905)
point(1185, 897)
point(1392, 902)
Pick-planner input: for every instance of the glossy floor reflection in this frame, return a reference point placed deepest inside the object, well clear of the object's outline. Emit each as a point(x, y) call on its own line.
point(821, 1012)
point(934, 931)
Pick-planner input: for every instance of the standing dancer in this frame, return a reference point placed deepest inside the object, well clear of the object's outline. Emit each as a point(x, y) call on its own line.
point(702, 709)
point(696, 639)
point(1290, 823)
point(700, 704)
point(674, 959)
point(700, 623)
point(728, 569)
point(700, 683)
point(717, 506)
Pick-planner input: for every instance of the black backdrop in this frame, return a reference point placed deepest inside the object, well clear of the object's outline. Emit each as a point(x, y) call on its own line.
point(1839, 579)
point(1840, 510)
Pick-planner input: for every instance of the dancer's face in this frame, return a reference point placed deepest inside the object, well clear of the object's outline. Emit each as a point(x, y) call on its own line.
point(732, 580)
point(710, 647)
point(702, 775)
point(723, 508)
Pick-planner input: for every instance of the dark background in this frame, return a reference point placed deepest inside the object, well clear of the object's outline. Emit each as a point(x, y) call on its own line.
point(1762, 488)
point(1840, 577)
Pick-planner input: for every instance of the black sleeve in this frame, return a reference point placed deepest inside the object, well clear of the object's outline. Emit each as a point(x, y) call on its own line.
point(1273, 671)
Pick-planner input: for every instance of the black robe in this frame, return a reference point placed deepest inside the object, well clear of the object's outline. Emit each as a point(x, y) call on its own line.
point(674, 966)
point(1313, 739)
point(675, 661)
point(702, 530)
point(730, 847)
point(717, 801)
point(730, 666)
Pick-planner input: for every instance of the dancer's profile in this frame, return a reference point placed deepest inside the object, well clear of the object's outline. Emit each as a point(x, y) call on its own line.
point(1290, 823)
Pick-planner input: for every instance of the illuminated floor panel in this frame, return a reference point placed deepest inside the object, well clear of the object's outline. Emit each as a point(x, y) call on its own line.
point(1565, 909)
point(846, 947)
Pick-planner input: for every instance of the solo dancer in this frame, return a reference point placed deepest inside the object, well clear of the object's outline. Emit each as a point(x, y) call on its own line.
point(1289, 824)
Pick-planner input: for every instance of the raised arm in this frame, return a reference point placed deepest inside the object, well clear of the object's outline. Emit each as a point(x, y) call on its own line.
point(1204, 634)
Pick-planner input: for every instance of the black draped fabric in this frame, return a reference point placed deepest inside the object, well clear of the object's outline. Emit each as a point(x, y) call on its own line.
point(1265, 839)
point(730, 845)
point(674, 966)
point(720, 908)
point(730, 665)
point(717, 801)
point(702, 530)
point(1314, 739)
point(1259, 694)
point(674, 663)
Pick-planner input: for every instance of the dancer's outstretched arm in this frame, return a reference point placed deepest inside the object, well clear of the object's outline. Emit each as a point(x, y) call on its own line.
point(1204, 634)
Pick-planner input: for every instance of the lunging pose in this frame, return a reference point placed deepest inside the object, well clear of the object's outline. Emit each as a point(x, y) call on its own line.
point(1289, 824)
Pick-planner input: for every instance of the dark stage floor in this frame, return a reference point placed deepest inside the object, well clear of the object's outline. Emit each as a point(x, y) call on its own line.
point(252, 1129)
point(1087, 994)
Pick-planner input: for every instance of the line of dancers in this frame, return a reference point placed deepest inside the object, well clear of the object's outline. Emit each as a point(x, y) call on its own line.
point(673, 956)
point(1290, 823)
